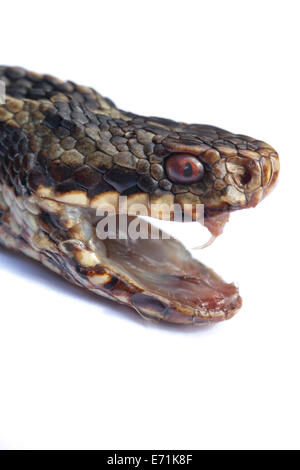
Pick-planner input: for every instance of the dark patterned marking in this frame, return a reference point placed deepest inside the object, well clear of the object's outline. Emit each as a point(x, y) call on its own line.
point(121, 180)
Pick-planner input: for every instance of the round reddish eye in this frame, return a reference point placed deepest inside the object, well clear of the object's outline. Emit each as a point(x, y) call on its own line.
point(184, 168)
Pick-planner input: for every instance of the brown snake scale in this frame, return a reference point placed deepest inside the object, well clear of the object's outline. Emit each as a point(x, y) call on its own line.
point(65, 151)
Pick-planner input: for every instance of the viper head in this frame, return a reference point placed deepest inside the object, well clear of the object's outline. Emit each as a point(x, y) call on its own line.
point(156, 161)
point(221, 170)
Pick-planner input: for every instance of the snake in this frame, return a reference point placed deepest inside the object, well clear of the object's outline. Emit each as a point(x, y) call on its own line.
point(68, 153)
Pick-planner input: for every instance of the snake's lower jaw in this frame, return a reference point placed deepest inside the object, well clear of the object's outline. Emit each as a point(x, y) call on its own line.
point(158, 277)
point(166, 283)
point(219, 306)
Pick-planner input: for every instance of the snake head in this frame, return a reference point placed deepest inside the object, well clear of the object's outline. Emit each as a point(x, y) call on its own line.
point(223, 171)
point(67, 158)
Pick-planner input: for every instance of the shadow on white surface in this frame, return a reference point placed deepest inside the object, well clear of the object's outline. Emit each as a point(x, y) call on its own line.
point(13, 262)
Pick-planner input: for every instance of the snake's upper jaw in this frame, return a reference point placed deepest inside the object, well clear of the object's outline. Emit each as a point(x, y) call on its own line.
point(250, 180)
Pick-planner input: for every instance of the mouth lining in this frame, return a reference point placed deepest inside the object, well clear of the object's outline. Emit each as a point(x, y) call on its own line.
point(166, 271)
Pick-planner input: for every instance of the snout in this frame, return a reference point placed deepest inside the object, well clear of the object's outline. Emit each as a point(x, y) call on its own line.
point(251, 175)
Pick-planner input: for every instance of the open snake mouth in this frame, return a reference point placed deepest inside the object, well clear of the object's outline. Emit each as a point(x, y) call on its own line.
point(185, 289)
point(155, 273)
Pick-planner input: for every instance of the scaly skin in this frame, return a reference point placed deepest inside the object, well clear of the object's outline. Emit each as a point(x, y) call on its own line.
point(65, 151)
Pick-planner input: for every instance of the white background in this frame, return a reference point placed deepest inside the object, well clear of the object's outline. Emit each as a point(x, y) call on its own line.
point(77, 371)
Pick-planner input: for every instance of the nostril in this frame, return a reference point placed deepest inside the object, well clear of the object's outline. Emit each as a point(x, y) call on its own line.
point(246, 177)
point(245, 173)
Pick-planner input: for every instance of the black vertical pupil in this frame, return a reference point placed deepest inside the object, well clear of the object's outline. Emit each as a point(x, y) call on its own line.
point(188, 170)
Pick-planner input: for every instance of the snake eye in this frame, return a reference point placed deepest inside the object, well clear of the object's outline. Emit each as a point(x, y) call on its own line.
point(184, 168)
